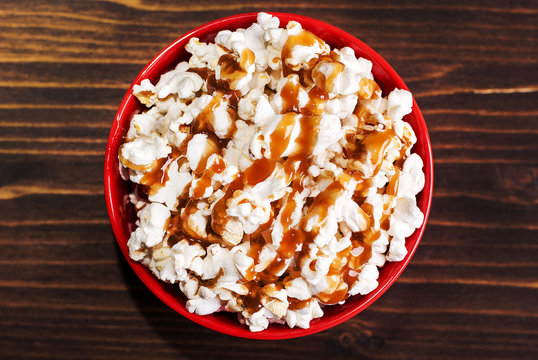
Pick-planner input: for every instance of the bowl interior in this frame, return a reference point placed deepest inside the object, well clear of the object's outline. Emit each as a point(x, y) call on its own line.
point(122, 214)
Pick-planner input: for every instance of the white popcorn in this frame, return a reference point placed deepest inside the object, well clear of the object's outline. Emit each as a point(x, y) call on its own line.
point(399, 104)
point(179, 81)
point(146, 93)
point(342, 106)
point(222, 122)
point(257, 321)
point(140, 153)
point(411, 180)
point(201, 306)
point(330, 132)
point(268, 22)
point(178, 180)
point(243, 263)
point(196, 149)
point(190, 112)
point(266, 257)
point(405, 218)
point(301, 54)
point(367, 280)
point(360, 66)
point(298, 288)
point(185, 255)
point(270, 174)
point(142, 125)
point(151, 230)
point(203, 55)
point(397, 250)
point(302, 317)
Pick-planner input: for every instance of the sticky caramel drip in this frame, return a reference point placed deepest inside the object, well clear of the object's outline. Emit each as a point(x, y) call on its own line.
point(157, 176)
point(205, 121)
point(280, 138)
point(205, 180)
point(230, 70)
point(304, 38)
point(259, 171)
point(290, 99)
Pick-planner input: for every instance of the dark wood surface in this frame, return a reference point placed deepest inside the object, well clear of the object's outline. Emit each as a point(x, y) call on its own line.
point(471, 290)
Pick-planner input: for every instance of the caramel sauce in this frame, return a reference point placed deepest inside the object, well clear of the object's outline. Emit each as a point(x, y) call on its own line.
point(155, 179)
point(296, 304)
point(210, 283)
point(269, 275)
point(205, 121)
point(220, 89)
point(173, 232)
point(290, 242)
point(364, 240)
point(296, 168)
point(385, 222)
point(316, 104)
point(392, 186)
point(308, 137)
point(399, 162)
point(259, 171)
point(368, 88)
point(377, 144)
point(189, 209)
point(157, 176)
point(290, 97)
point(364, 116)
point(324, 200)
point(247, 59)
point(305, 77)
point(203, 72)
point(334, 297)
point(252, 301)
point(205, 180)
point(350, 277)
point(256, 246)
point(230, 70)
point(218, 214)
point(211, 148)
point(217, 85)
point(327, 82)
point(287, 212)
point(280, 138)
point(304, 38)
point(233, 97)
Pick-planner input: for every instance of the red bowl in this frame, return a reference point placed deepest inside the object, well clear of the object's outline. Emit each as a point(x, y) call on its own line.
point(122, 214)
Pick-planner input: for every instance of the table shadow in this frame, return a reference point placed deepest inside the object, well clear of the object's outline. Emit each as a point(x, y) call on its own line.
point(187, 338)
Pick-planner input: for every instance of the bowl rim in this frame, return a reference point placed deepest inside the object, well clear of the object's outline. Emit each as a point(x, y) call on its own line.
point(149, 279)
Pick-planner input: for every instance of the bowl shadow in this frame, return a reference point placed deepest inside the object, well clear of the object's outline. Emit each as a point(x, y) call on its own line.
point(186, 338)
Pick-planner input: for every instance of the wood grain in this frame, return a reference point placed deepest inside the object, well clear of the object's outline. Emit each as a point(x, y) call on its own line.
point(471, 290)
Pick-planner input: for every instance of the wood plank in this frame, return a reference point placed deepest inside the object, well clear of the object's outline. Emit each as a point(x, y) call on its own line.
point(470, 291)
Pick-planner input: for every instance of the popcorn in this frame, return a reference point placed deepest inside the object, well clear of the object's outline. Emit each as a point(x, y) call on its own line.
point(273, 177)
point(140, 153)
point(151, 228)
point(145, 93)
point(179, 81)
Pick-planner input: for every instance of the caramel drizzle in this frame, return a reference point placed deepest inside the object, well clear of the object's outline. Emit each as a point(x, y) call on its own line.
point(205, 181)
point(345, 267)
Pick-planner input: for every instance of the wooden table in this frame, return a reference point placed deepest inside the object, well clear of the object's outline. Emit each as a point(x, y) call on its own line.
point(470, 292)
